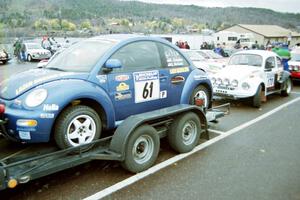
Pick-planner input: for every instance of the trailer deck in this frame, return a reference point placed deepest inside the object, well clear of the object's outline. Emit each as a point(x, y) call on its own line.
point(20, 163)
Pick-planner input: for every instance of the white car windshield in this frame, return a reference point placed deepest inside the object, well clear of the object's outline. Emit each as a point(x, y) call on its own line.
point(213, 55)
point(80, 57)
point(33, 46)
point(246, 59)
point(295, 56)
point(194, 56)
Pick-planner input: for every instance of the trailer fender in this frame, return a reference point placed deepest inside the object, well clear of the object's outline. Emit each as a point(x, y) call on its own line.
point(122, 133)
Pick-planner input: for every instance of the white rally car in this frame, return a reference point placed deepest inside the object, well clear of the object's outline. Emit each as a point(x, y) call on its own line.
point(252, 74)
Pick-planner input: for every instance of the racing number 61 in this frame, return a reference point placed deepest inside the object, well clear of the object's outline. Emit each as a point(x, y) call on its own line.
point(148, 90)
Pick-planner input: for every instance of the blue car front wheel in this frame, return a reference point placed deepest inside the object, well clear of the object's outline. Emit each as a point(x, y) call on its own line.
point(77, 125)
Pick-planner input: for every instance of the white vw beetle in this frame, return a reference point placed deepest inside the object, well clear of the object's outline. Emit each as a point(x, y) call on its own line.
point(252, 74)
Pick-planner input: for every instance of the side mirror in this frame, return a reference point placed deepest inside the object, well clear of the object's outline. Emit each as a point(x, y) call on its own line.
point(113, 64)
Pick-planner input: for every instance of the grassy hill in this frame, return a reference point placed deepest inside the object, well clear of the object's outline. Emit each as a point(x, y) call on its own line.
point(132, 15)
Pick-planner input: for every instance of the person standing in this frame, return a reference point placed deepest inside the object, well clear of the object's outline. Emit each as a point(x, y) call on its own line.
point(285, 55)
point(17, 48)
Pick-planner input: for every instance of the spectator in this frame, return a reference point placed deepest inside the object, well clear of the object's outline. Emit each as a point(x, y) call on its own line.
point(23, 50)
point(45, 43)
point(237, 44)
point(186, 45)
point(204, 45)
point(285, 55)
point(219, 50)
point(17, 48)
point(255, 45)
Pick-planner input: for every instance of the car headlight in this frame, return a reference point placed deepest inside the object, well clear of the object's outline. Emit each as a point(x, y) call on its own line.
point(245, 86)
point(36, 97)
point(219, 81)
point(226, 81)
point(234, 83)
point(213, 80)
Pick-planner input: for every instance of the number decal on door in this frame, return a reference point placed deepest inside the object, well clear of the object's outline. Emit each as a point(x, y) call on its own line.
point(148, 90)
point(270, 79)
point(146, 86)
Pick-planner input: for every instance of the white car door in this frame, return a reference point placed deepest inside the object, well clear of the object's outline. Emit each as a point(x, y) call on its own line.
point(271, 70)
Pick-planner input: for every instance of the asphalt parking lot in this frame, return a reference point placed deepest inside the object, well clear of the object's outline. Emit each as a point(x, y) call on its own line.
point(253, 154)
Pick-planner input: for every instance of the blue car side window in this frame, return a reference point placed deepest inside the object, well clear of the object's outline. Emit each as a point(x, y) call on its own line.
point(138, 56)
point(172, 58)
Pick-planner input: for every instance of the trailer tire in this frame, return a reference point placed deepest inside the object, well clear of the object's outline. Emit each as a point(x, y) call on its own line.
point(142, 149)
point(77, 125)
point(184, 132)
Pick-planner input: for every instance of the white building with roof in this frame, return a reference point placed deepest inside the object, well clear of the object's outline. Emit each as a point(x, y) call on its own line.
point(264, 33)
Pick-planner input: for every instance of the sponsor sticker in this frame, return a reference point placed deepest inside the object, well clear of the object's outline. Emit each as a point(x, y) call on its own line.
point(179, 70)
point(29, 84)
point(50, 107)
point(102, 78)
point(200, 77)
point(25, 135)
point(122, 87)
point(28, 129)
point(122, 77)
point(163, 94)
point(47, 115)
point(146, 86)
point(119, 96)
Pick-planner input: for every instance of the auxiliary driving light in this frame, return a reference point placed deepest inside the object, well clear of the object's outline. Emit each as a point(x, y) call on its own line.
point(26, 122)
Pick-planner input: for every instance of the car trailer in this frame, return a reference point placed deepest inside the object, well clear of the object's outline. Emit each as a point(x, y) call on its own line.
point(135, 143)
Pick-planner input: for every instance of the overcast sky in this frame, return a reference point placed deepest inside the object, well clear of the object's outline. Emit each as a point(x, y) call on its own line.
point(278, 5)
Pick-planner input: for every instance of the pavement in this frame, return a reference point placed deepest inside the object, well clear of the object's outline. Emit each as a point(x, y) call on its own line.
point(253, 154)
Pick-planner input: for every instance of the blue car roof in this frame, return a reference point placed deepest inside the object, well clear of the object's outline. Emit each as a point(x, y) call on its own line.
point(122, 37)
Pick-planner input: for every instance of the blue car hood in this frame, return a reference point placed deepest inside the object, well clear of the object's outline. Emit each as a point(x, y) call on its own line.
point(18, 84)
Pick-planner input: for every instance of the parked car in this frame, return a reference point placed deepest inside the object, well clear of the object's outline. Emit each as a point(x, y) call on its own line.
point(294, 64)
point(213, 57)
point(210, 67)
point(95, 84)
point(4, 56)
point(252, 74)
point(34, 51)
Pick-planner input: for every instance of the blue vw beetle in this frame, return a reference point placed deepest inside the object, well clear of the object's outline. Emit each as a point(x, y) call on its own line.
point(94, 85)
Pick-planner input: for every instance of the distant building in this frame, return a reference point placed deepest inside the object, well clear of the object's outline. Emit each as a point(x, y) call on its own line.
point(264, 33)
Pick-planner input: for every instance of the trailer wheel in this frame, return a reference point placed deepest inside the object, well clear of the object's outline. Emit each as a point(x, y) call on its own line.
point(184, 132)
point(142, 149)
point(76, 126)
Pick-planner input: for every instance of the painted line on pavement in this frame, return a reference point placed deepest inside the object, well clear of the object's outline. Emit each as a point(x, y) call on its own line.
point(126, 182)
point(216, 131)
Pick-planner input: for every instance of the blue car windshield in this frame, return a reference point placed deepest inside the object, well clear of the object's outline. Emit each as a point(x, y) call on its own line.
point(246, 59)
point(80, 57)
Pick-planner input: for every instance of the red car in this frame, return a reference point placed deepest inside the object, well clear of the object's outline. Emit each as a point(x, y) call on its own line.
point(294, 64)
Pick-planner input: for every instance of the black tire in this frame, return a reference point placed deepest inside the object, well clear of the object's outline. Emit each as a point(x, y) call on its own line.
point(142, 149)
point(201, 91)
point(184, 132)
point(287, 88)
point(88, 122)
point(29, 58)
point(256, 99)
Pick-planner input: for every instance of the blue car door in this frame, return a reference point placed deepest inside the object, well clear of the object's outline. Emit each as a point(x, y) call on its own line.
point(176, 69)
point(141, 84)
